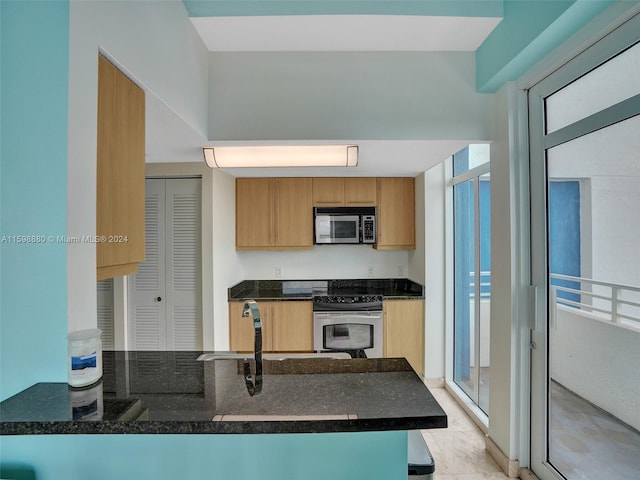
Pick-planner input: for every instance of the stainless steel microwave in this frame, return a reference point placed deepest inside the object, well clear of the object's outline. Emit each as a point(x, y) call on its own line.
point(335, 225)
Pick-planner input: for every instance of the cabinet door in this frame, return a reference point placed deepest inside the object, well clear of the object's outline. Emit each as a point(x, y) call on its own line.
point(292, 326)
point(329, 192)
point(294, 212)
point(360, 192)
point(404, 331)
point(241, 331)
point(254, 213)
point(120, 173)
point(396, 213)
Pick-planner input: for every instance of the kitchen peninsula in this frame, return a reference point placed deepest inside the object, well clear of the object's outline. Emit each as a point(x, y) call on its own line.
point(174, 392)
point(361, 407)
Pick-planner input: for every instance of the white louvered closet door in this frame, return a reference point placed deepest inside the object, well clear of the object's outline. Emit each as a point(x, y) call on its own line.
point(106, 313)
point(165, 295)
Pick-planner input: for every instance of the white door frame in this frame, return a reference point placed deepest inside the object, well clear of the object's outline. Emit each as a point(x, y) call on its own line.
point(607, 47)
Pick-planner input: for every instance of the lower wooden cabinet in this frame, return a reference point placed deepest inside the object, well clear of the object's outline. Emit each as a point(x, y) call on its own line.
point(404, 331)
point(287, 326)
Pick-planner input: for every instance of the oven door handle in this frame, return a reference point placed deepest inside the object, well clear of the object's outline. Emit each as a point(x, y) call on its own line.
point(346, 315)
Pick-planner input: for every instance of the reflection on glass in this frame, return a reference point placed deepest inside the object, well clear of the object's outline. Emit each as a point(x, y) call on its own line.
point(464, 274)
point(586, 96)
point(594, 304)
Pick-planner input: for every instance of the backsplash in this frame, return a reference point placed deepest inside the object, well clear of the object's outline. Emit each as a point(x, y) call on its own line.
point(325, 262)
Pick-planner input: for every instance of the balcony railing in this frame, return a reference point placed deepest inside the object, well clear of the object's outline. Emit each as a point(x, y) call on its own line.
point(615, 303)
point(485, 285)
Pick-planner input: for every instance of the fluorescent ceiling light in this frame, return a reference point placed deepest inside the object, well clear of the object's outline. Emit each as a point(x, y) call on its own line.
point(282, 156)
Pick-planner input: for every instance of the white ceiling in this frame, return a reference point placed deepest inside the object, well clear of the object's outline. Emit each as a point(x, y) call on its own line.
point(170, 139)
point(343, 33)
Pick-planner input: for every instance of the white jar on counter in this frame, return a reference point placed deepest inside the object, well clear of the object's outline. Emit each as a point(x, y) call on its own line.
point(85, 357)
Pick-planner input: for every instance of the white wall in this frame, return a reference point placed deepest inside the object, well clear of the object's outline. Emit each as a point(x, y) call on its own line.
point(615, 226)
point(324, 262)
point(346, 95)
point(227, 263)
point(435, 277)
point(582, 359)
point(156, 44)
point(505, 160)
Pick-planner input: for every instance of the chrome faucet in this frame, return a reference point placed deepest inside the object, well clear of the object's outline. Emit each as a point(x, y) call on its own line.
point(254, 383)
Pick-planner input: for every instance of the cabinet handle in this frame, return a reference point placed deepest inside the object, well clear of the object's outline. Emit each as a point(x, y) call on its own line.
point(158, 299)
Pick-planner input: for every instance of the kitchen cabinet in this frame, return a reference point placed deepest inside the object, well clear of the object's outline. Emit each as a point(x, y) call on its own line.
point(396, 214)
point(274, 213)
point(120, 190)
point(403, 326)
point(287, 326)
point(349, 192)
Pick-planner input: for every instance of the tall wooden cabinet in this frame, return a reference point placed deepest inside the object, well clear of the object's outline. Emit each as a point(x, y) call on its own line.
point(403, 327)
point(120, 173)
point(274, 213)
point(287, 326)
point(396, 213)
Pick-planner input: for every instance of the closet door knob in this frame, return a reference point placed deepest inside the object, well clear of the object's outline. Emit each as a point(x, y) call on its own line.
point(159, 299)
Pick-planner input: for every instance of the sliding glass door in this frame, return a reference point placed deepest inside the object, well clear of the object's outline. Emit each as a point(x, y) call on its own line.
point(472, 276)
point(585, 187)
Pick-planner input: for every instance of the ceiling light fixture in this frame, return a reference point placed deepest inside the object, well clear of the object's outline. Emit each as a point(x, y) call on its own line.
point(281, 156)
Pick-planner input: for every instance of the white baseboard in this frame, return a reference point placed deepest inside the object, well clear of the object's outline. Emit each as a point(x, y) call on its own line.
point(511, 468)
point(434, 382)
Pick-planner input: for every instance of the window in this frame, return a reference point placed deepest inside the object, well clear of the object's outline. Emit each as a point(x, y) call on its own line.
point(472, 272)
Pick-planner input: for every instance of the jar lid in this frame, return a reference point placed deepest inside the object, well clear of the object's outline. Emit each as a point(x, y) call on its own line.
point(85, 334)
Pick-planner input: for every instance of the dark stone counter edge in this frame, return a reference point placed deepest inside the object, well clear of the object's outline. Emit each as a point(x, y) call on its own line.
point(219, 428)
point(309, 298)
point(251, 289)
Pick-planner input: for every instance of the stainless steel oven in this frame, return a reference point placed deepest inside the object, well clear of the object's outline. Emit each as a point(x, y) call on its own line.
point(351, 324)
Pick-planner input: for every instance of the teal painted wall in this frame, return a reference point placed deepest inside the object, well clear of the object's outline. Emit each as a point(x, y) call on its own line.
point(33, 179)
point(33, 312)
point(335, 456)
point(221, 8)
point(529, 31)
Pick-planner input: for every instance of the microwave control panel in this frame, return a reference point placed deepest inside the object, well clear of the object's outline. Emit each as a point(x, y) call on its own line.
point(368, 229)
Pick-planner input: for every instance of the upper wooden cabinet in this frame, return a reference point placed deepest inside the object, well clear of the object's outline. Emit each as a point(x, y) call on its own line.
point(356, 192)
point(396, 213)
point(287, 326)
point(274, 213)
point(120, 173)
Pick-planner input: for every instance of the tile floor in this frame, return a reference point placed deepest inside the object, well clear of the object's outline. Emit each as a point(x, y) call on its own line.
point(588, 443)
point(458, 450)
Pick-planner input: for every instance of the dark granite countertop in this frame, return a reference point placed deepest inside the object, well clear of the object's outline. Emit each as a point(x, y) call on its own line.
point(174, 393)
point(390, 288)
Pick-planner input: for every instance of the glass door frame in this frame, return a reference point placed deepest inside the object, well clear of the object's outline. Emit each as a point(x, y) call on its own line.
point(618, 40)
point(473, 174)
